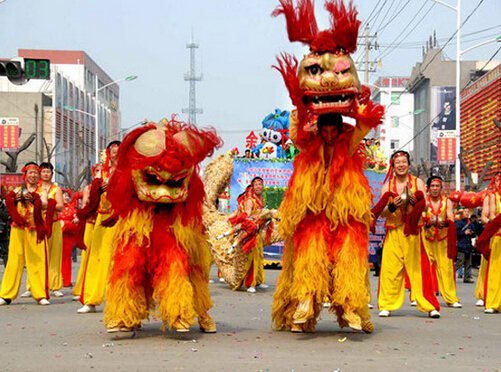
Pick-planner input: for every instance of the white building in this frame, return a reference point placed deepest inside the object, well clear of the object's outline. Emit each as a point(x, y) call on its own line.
point(396, 132)
point(70, 133)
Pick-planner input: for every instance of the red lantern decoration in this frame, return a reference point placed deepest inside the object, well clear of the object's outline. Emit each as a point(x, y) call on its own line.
point(455, 196)
point(469, 200)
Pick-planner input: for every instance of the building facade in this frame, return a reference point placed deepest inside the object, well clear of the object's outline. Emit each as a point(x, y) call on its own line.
point(480, 137)
point(67, 108)
point(433, 83)
point(397, 130)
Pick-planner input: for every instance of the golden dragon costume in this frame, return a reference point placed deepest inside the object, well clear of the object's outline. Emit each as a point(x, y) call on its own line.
point(161, 255)
point(228, 240)
point(326, 211)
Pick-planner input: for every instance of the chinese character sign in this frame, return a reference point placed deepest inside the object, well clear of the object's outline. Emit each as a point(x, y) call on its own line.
point(10, 182)
point(251, 140)
point(9, 134)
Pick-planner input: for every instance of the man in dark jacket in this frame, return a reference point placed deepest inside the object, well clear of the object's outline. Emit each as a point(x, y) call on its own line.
point(4, 231)
point(465, 231)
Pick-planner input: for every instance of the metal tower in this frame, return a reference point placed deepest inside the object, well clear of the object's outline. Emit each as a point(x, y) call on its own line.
point(192, 110)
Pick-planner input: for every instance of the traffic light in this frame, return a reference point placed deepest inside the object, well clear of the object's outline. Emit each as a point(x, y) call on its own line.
point(37, 68)
point(10, 69)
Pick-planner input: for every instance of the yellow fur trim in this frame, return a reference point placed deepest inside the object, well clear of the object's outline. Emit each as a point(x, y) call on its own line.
point(136, 227)
point(125, 306)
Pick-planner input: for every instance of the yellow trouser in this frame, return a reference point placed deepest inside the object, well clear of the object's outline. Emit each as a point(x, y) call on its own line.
point(255, 265)
point(99, 263)
point(89, 229)
point(400, 254)
point(479, 289)
point(55, 252)
point(446, 274)
point(24, 250)
point(493, 287)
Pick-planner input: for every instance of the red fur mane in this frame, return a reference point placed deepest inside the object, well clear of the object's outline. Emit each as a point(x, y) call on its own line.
point(175, 157)
point(302, 25)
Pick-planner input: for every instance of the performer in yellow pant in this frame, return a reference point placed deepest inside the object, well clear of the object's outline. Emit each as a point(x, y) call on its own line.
point(98, 265)
point(24, 250)
point(435, 236)
point(493, 275)
point(89, 232)
point(479, 289)
point(22, 204)
point(401, 253)
point(55, 252)
point(404, 252)
point(437, 252)
point(55, 240)
point(100, 252)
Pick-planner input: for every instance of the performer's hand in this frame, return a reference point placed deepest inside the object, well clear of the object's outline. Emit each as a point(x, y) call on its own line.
point(443, 224)
point(75, 220)
point(398, 201)
point(412, 200)
point(18, 196)
point(28, 197)
point(104, 186)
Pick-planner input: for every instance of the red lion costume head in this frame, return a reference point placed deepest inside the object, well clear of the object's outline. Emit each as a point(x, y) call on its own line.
point(326, 80)
point(158, 164)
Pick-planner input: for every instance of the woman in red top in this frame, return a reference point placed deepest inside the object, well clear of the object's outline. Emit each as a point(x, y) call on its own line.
point(69, 222)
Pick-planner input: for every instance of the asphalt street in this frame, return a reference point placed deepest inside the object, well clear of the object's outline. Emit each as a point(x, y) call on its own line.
point(56, 338)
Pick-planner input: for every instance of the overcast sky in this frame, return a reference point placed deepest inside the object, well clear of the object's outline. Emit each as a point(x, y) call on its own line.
point(238, 41)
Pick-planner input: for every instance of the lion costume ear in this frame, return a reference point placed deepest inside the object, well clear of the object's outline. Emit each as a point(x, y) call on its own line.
point(199, 143)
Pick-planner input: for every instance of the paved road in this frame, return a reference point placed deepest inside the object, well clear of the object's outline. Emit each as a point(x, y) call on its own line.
point(56, 338)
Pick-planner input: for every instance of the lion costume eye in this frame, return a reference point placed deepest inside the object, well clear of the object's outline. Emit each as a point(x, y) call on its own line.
point(314, 69)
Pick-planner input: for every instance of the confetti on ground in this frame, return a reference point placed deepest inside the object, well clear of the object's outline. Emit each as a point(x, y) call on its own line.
point(194, 349)
point(342, 339)
point(89, 356)
point(53, 334)
point(58, 356)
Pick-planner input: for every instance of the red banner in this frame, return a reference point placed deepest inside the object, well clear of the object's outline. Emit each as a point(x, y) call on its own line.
point(9, 134)
point(446, 150)
point(10, 181)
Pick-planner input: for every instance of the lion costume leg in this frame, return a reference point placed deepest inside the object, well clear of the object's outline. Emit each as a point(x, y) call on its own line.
point(129, 294)
point(349, 291)
point(304, 281)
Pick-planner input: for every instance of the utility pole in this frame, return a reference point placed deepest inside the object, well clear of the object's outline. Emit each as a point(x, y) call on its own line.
point(367, 46)
point(192, 109)
point(369, 66)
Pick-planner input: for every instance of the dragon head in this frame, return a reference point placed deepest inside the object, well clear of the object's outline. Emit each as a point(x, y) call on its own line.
point(158, 164)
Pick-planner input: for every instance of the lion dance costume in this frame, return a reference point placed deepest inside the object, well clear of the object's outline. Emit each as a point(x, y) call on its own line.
point(161, 256)
point(326, 211)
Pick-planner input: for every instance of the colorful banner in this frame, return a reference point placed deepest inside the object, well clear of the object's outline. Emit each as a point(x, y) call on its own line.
point(376, 240)
point(274, 174)
point(10, 181)
point(9, 134)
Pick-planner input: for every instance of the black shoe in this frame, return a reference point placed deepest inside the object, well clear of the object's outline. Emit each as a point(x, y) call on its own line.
point(469, 280)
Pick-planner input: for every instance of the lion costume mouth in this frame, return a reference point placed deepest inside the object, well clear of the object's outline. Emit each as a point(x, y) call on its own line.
point(159, 186)
point(325, 102)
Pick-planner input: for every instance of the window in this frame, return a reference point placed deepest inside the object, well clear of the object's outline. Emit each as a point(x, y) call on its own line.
point(395, 98)
point(395, 121)
point(395, 144)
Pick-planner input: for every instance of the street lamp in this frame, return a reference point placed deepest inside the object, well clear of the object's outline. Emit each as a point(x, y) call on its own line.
point(96, 112)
